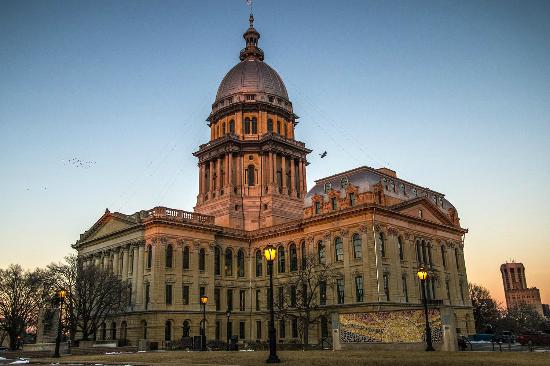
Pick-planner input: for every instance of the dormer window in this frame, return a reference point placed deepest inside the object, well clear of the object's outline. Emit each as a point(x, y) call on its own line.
point(344, 182)
point(250, 97)
point(402, 187)
point(334, 203)
point(271, 99)
point(415, 192)
point(385, 183)
point(328, 187)
point(392, 186)
point(317, 207)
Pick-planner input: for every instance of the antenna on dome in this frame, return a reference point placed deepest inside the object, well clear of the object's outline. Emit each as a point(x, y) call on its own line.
point(249, 3)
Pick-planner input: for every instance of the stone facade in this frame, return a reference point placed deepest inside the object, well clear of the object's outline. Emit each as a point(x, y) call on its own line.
point(375, 228)
point(515, 287)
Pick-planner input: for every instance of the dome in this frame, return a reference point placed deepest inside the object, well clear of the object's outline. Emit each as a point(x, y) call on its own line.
point(252, 76)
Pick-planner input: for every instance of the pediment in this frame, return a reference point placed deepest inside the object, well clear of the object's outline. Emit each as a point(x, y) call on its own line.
point(109, 223)
point(429, 211)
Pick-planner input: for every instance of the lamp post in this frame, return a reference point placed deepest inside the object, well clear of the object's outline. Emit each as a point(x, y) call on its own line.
point(228, 314)
point(60, 297)
point(204, 300)
point(422, 275)
point(270, 253)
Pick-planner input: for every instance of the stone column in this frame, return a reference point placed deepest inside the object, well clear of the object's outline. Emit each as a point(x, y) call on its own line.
point(292, 178)
point(219, 185)
point(116, 270)
point(105, 261)
point(201, 180)
point(283, 174)
point(134, 273)
point(211, 178)
point(304, 180)
point(125, 263)
point(139, 276)
point(269, 167)
point(227, 170)
point(240, 170)
point(230, 169)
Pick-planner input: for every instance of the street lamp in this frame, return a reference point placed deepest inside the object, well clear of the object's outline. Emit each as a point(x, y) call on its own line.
point(204, 300)
point(228, 314)
point(422, 275)
point(270, 253)
point(60, 297)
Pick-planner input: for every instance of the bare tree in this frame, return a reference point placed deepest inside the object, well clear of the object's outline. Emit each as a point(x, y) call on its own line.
point(487, 312)
point(303, 296)
point(20, 300)
point(93, 294)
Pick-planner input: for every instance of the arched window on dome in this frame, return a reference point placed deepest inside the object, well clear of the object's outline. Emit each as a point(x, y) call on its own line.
point(254, 125)
point(247, 126)
point(223, 128)
point(250, 175)
point(232, 126)
point(270, 125)
point(279, 127)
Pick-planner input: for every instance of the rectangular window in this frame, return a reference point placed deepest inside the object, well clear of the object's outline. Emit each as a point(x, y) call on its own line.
point(217, 299)
point(324, 327)
point(317, 207)
point(242, 300)
point(461, 289)
point(405, 288)
point(334, 203)
point(293, 296)
point(202, 291)
point(322, 293)
point(258, 292)
point(294, 326)
point(282, 329)
point(185, 295)
point(241, 330)
point(230, 300)
point(352, 199)
point(340, 290)
point(387, 286)
point(359, 288)
point(168, 295)
point(258, 329)
point(147, 295)
point(218, 330)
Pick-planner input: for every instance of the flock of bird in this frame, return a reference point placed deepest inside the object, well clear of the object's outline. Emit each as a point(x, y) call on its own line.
point(77, 163)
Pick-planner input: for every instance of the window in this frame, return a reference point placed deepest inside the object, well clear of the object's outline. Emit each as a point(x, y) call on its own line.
point(229, 299)
point(202, 291)
point(259, 261)
point(448, 288)
point(405, 288)
point(218, 330)
point(254, 125)
point(281, 259)
point(461, 289)
point(168, 294)
point(217, 300)
point(131, 260)
point(359, 288)
point(282, 329)
point(241, 330)
point(258, 294)
point(293, 296)
point(228, 262)
point(280, 297)
point(270, 125)
point(402, 187)
point(223, 128)
point(149, 256)
point(250, 175)
point(357, 253)
point(328, 187)
point(169, 255)
point(202, 260)
point(286, 130)
point(294, 327)
point(186, 258)
point(430, 254)
point(242, 300)
point(317, 207)
point(344, 182)
point(293, 258)
point(457, 258)
point(279, 127)
point(392, 186)
point(334, 203)
point(322, 293)
point(258, 329)
point(232, 127)
point(382, 245)
point(304, 294)
point(418, 252)
point(229, 329)
point(415, 192)
point(322, 252)
point(144, 328)
point(147, 294)
point(352, 199)
point(185, 295)
point(303, 251)
point(240, 263)
point(386, 280)
point(247, 126)
point(400, 248)
point(217, 261)
point(340, 290)
point(250, 97)
point(168, 330)
point(339, 249)
point(324, 327)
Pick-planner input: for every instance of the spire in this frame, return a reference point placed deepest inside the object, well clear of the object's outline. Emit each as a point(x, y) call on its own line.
point(251, 37)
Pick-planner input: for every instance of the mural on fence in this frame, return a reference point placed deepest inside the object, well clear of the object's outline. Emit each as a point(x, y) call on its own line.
point(404, 326)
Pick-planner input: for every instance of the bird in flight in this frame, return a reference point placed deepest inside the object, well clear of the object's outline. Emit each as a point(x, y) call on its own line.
point(323, 154)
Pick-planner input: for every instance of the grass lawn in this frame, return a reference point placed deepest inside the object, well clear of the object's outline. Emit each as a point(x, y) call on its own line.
point(317, 358)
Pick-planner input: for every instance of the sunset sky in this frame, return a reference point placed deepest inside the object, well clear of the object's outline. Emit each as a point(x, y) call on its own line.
point(453, 95)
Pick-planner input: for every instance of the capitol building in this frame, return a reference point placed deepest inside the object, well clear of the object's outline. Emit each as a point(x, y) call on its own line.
point(374, 228)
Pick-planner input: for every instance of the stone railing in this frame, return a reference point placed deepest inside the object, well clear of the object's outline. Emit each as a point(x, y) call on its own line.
point(179, 215)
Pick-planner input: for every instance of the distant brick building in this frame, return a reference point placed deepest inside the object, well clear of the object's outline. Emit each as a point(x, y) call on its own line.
point(515, 287)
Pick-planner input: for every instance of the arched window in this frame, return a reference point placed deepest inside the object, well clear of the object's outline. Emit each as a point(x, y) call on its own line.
point(168, 330)
point(202, 260)
point(169, 255)
point(339, 249)
point(303, 251)
point(382, 244)
point(228, 262)
point(281, 259)
point(286, 130)
point(240, 263)
point(400, 248)
point(259, 260)
point(321, 251)
point(357, 252)
point(247, 125)
point(186, 328)
point(223, 128)
point(186, 257)
point(217, 261)
point(231, 126)
point(279, 127)
point(254, 125)
point(149, 256)
point(250, 175)
point(270, 125)
point(293, 258)
point(443, 257)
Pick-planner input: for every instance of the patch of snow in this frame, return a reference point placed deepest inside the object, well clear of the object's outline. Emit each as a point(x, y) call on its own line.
point(19, 361)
